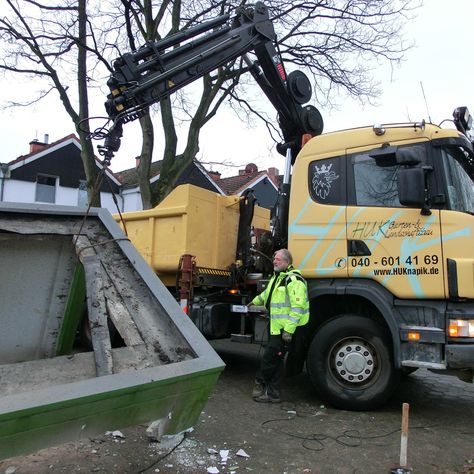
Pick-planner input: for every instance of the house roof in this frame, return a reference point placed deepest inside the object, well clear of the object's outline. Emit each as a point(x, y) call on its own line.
point(46, 148)
point(212, 181)
point(238, 184)
point(235, 184)
point(129, 177)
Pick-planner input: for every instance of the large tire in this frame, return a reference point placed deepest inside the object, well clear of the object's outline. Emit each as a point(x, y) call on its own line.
point(350, 363)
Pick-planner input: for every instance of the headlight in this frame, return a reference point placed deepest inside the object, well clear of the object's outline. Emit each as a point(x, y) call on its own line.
point(461, 328)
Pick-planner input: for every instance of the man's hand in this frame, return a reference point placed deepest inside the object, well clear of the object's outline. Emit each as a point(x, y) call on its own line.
point(286, 336)
point(258, 311)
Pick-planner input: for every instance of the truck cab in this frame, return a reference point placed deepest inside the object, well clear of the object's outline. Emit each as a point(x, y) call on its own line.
point(381, 223)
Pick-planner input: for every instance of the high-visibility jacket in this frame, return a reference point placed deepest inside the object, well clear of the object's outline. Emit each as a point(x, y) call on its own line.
point(288, 305)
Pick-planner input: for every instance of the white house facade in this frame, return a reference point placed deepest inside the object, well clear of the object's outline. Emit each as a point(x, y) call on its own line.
point(54, 174)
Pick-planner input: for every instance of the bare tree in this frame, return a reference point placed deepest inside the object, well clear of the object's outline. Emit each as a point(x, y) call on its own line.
point(336, 41)
point(143, 21)
point(48, 43)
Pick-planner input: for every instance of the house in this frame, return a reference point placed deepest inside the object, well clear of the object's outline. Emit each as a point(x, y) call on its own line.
point(53, 173)
point(194, 174)
point(264, 184)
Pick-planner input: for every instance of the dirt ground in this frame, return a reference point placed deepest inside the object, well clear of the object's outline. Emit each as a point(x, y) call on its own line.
point(300, 435)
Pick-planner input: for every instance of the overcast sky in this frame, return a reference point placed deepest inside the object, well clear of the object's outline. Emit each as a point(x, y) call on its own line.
point(441, 61)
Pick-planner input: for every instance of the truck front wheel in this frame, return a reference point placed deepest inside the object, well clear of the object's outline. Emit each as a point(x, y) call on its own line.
point(350, 363)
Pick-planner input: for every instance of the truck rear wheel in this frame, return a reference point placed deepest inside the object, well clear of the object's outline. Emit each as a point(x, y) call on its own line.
point(350, 363)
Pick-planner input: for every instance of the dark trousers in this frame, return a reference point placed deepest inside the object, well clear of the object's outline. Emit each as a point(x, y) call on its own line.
point(270, 373)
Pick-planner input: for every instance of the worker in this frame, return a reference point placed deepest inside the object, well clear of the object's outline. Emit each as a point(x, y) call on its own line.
point(286, 301)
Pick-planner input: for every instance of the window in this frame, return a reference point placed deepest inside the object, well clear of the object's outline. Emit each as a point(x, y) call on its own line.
point(375, 173)
point(459, 185)
point(45, 188)
point(375, 185)
point(82, 200)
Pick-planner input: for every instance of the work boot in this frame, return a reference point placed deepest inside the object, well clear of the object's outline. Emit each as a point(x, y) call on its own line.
point(265, 398)
point(258, 390)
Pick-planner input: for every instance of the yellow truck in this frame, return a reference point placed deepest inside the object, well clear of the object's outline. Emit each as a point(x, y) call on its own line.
point(381, 225)
point(379, 220)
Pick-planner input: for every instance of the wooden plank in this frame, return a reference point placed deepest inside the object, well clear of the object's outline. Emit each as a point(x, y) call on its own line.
point(404, 437)
point(119, 313)
point(96, 306)
point(122, 319)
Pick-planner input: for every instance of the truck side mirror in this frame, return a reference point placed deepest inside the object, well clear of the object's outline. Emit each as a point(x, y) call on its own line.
point(411, 187)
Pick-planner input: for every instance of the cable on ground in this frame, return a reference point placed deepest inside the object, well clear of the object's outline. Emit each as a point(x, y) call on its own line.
point(161, 458)
point(348, 438)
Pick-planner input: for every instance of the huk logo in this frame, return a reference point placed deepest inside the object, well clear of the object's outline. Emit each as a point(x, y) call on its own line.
point(322, 179)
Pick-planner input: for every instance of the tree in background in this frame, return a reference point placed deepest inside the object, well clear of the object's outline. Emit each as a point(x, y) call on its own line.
point(143, 21)
point(49, 43)
point(335, 41)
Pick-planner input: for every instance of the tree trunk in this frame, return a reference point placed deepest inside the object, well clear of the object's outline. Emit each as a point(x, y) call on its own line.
point(144, 165)
point(87, 151)
point(173, 165)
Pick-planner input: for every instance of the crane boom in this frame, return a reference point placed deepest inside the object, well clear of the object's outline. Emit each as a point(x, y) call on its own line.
point(158, 69)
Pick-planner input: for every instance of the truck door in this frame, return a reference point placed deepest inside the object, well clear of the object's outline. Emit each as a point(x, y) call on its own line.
point(457, 222)
point(394, 245)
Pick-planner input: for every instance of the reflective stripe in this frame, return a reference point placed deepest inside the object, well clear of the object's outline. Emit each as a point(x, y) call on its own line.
point(278, 316)
point(259, 300)
point(285, 316)
point(293, 310)
point(278, 305)
point(299, 310)
point(283, 313)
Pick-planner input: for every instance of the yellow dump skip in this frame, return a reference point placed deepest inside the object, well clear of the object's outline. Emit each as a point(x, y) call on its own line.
point(190, 220)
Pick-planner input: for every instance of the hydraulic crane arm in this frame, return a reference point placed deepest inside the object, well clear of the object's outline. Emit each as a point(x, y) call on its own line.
point(156, 70)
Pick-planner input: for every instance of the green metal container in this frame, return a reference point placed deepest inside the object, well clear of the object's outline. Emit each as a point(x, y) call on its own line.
point(64, 275)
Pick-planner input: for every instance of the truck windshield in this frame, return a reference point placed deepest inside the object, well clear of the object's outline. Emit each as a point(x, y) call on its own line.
point(460, 184)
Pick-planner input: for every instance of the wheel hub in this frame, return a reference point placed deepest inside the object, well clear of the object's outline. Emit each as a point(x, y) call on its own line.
point(354, 360)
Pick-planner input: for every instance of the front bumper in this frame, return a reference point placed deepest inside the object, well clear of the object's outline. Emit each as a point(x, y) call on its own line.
point(459, 356)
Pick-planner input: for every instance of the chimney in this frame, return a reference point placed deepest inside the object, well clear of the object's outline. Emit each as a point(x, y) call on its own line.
point(36, 146)
point(46, 138)
point(215, 175)
point(273, 175)
point(249, 169)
